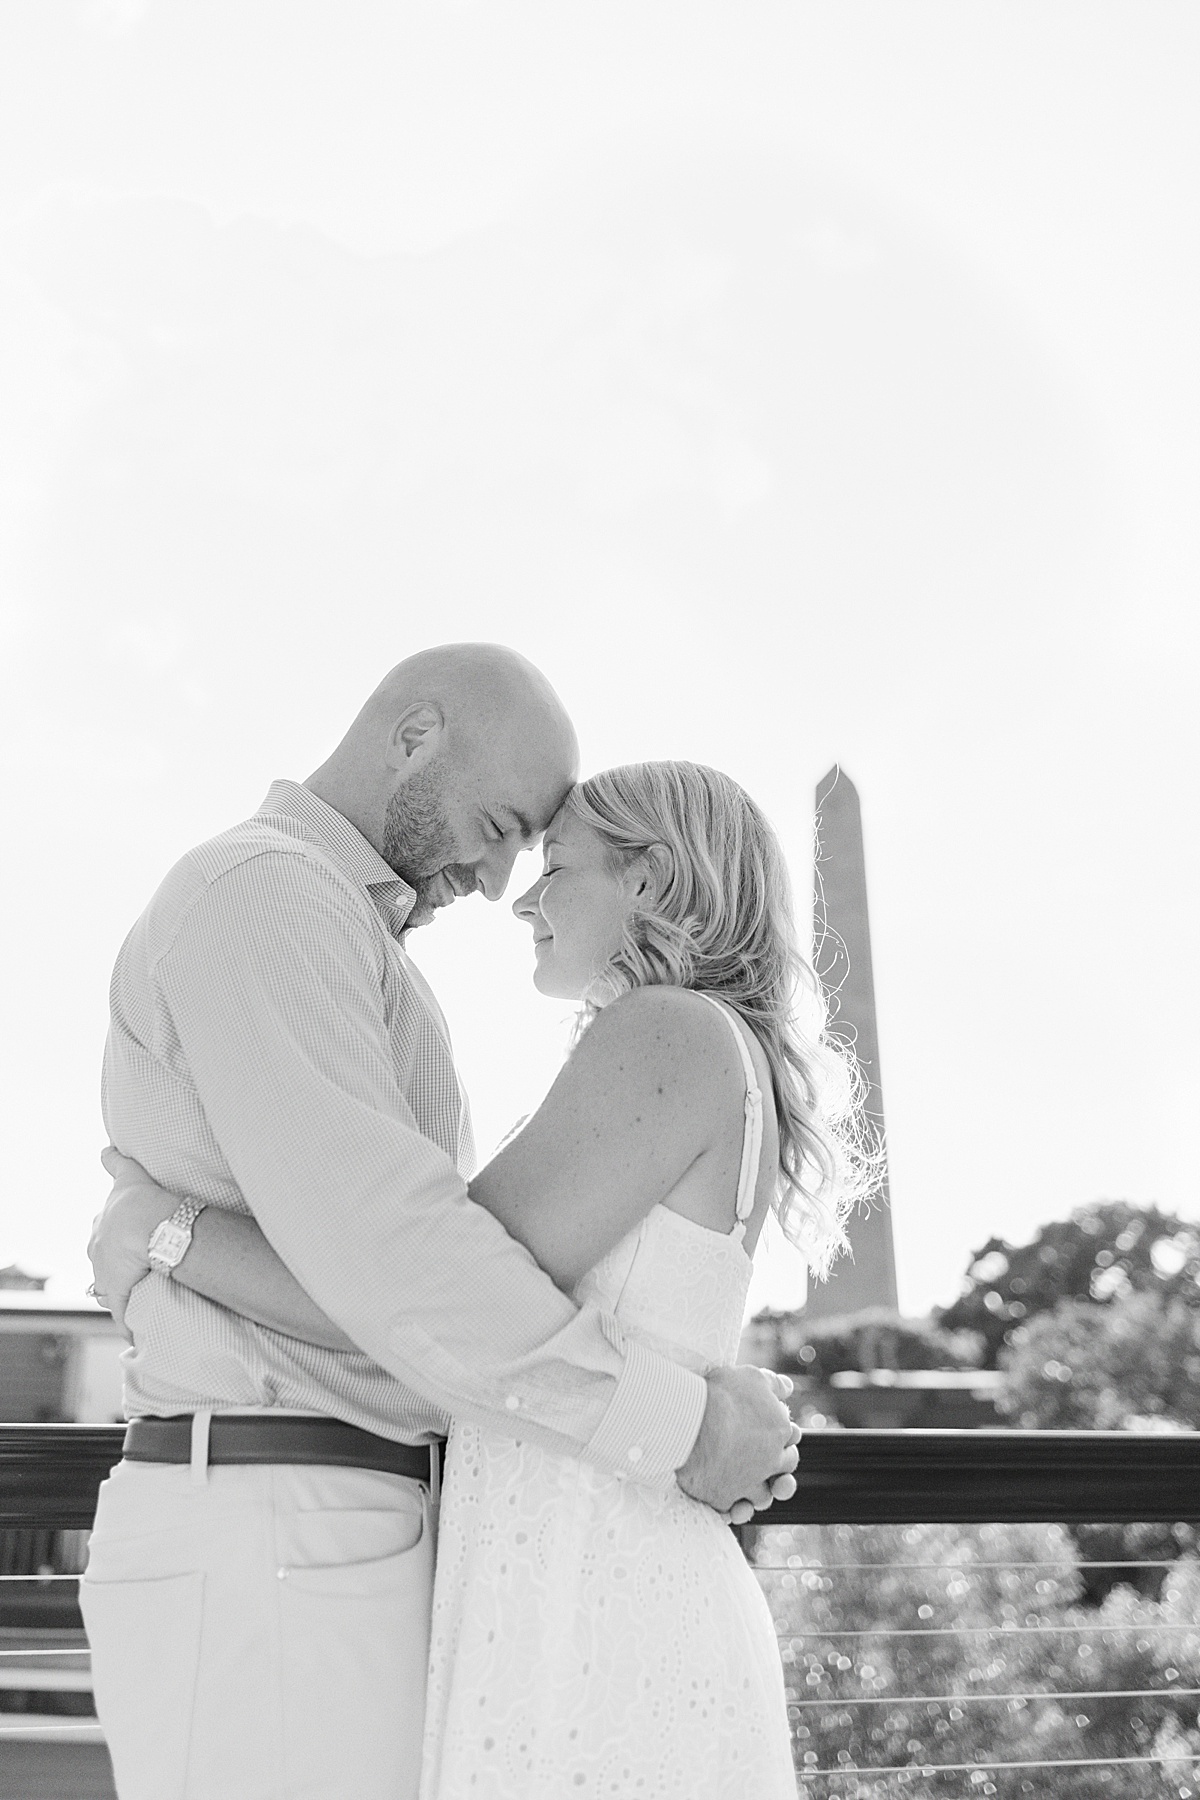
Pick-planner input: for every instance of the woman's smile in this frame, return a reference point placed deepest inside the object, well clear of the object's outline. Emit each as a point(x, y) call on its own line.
point(576, 909)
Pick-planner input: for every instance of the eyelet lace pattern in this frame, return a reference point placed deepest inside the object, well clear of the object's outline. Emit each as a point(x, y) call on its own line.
point(592, 1637)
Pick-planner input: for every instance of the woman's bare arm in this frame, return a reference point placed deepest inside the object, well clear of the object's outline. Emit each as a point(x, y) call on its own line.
point(229, 1260)
point(650, 1088)
point(653, 1085)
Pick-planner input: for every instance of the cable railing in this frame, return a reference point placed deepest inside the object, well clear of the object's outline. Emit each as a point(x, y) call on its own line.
point(946, 1628)
point(50, 1739)
point(1007, 1614)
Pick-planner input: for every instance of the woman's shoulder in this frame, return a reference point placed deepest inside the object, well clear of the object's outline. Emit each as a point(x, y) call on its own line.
point(661, 1028)
point(650, 1012)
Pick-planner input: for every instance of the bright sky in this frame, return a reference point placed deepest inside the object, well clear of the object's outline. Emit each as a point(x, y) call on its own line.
point(795, 382)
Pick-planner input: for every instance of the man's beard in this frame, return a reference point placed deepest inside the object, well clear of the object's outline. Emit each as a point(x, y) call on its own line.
point(418, 842)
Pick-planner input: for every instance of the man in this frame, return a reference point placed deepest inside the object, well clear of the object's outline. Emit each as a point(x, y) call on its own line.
point(258, 1590)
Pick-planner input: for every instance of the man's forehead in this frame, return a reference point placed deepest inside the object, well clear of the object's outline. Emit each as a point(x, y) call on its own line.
point(531, 783)
point(527, 816)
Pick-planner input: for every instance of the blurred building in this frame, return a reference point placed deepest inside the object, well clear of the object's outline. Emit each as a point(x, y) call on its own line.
point(865, 1371)
point(14, 1277)
point(59, 1360)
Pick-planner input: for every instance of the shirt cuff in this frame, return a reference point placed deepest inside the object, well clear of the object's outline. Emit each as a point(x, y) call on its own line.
point(653, 1419)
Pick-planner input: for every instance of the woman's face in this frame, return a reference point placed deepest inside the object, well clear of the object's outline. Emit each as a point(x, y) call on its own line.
point(577, 909)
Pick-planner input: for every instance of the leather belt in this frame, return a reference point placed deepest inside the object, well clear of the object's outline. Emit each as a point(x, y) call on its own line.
point(258, 1438)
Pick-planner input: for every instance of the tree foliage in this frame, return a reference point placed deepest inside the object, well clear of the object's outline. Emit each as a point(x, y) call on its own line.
point(1101, 1253)
point(1131, 1364)
point(1051, 1658)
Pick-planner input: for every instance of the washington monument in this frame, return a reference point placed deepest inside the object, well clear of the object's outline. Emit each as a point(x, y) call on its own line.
point(842, 940)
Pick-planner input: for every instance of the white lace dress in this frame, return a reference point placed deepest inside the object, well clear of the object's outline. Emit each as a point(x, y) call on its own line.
point(592, 1638)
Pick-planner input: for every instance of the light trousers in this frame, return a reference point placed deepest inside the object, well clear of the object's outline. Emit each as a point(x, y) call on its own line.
point(260, 1632)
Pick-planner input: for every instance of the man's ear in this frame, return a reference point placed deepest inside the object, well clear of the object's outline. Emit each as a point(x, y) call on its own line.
point(415, 736)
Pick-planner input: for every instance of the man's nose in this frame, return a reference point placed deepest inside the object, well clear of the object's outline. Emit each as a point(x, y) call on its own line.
point(495, 869)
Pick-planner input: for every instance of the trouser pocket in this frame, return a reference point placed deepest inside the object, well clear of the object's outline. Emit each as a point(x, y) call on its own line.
point(354, 1636)
point(145, 1641)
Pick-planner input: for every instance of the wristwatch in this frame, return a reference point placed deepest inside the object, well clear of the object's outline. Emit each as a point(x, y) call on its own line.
point(170, 1241)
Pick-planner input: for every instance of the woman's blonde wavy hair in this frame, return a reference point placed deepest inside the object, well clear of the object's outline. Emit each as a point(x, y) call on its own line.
point(720, 920)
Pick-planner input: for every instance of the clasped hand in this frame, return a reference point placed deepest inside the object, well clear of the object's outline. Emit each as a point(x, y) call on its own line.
point(748, 1445)
point(117, 1248)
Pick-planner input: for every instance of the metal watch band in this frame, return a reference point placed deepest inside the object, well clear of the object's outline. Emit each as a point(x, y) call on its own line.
point(171, 1239)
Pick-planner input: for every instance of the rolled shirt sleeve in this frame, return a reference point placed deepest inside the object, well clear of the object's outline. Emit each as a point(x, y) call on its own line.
point(271, 990)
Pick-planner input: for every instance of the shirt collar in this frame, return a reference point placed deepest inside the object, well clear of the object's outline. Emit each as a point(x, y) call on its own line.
point(342, 842)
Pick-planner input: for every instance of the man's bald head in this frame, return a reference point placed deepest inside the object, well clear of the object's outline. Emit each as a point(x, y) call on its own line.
point(459, 759)
point(482, 690)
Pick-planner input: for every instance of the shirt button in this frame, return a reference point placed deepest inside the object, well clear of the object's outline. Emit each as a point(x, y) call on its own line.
point(282, 1574)
point(512, 1403)
point(635, 1453)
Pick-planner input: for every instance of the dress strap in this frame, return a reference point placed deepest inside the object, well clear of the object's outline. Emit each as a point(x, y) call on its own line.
point(752, 1131)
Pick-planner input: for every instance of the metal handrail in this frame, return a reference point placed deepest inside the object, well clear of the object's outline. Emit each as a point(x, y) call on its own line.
point(993, 1478)
point(50, 1476)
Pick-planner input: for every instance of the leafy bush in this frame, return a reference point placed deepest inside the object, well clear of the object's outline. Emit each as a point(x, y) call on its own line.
point(991, 1651)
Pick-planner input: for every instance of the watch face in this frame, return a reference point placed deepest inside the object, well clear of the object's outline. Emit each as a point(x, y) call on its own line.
point(169, 1242)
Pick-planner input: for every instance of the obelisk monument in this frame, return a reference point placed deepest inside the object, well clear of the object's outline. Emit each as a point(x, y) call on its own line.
point(842, 947)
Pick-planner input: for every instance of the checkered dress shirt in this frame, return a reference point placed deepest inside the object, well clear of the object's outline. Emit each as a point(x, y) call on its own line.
point(272, 1050)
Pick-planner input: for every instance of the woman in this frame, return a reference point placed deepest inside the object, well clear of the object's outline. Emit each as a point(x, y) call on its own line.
point(592, 1636)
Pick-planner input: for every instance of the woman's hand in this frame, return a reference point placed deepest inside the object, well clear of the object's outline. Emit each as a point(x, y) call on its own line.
point(748, 1445)
point(118, 1247)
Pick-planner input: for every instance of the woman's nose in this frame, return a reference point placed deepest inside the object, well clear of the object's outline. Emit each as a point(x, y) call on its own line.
point(526, 905)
